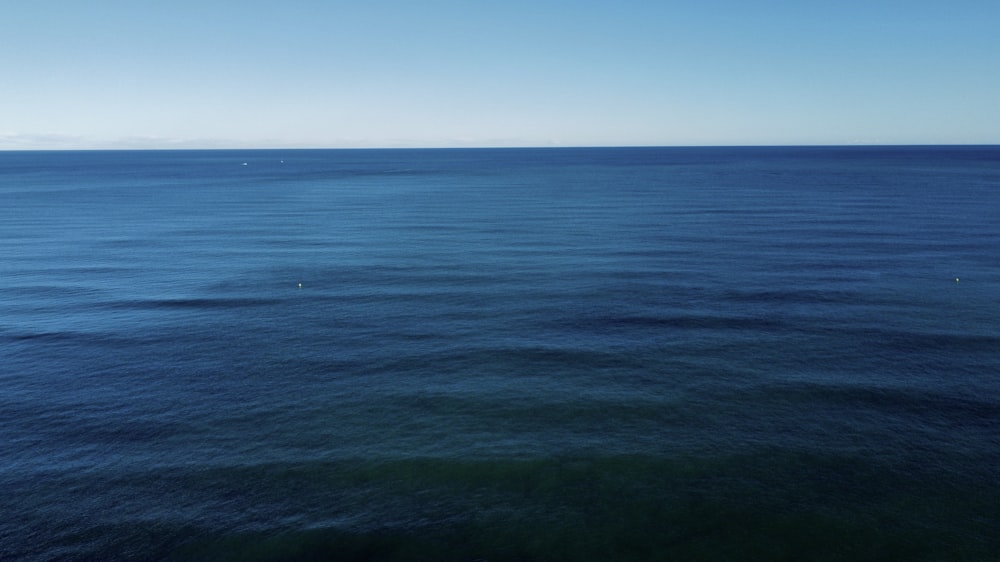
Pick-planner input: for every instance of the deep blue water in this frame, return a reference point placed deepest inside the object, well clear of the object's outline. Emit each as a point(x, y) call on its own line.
point(519, 354)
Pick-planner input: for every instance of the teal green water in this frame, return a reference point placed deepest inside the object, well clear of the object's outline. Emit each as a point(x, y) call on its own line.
point(779, 507)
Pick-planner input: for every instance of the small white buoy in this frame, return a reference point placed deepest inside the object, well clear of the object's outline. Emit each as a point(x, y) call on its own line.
point(300, 285)
point(244, 163)
point(956, 280)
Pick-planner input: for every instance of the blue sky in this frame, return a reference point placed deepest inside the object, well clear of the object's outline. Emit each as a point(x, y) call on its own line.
point(209, 74)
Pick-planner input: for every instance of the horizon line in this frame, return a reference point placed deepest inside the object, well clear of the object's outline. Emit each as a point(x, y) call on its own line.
point(507, 147)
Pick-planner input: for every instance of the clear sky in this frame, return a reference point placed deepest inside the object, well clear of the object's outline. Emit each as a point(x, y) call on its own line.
point(374, 73)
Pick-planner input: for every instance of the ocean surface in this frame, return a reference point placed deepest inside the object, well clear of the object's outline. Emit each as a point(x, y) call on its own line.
point(501, 354)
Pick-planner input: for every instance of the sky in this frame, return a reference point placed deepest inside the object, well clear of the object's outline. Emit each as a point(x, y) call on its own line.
point(440, 73)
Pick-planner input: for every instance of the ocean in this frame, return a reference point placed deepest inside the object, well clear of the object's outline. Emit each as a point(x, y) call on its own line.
point(759, 353)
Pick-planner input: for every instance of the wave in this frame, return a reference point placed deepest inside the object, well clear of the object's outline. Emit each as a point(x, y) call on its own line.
point(936, 406)
point(194, 303)
point(682, 321)
point(793, 296)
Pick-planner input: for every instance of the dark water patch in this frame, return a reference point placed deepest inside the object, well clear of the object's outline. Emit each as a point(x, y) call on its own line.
point(597, 420)
point(793, 296)
point(49, 292)
point(682, 322)
point(74, 338)
point(929, 406)
point(383, 277)
point(194, 303)
point(717, 535)
point(93, 340)
point(64, 269)
point(908, 341)
point(72, 425)
point(779, 506)
point(512, 361)
point(46, 336)
point(924, 434)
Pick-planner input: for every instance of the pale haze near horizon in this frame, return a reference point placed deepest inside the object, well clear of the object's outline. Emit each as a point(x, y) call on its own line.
point(184, 74)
